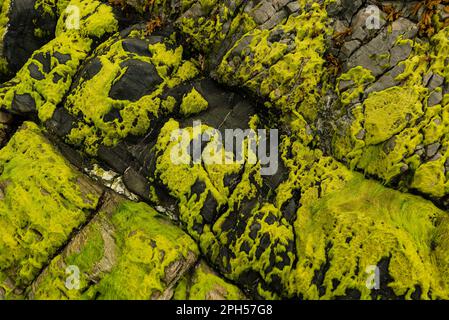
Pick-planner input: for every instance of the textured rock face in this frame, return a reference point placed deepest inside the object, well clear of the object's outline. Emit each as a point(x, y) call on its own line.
point(43, 200)
point(204, 284)
point(391, 107)
point(358, 94)
point(25, 25)
point(127, 251)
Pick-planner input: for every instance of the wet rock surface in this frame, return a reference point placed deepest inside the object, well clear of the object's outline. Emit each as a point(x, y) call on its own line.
point(105, 195)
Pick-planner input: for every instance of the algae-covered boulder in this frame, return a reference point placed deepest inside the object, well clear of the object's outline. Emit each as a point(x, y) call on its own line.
point(40, 85)
point(43, 200)
point(129, 83)
point(128, 251)
point(349, 228)
point(391, 107)
point(25, 25)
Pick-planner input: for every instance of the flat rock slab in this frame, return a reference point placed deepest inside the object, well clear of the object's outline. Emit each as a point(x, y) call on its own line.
point(128, 251)
point(43, 199)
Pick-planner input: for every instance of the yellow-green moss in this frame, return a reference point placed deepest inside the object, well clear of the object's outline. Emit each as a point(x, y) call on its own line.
point(193, 103)
point(388, 112)
point(215, 237)
point(346, 223)
point(356, 227)
point(360, 77)
point(127, 253)
point(92, 100)
point(205, 284)
point(43, 199)
point(96, 19)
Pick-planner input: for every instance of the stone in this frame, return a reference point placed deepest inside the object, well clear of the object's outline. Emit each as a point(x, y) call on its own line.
point(55, 199)
point(126, 252)
point(435, 98)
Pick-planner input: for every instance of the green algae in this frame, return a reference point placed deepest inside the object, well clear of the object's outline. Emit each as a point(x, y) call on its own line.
point(356, 227)
point(180, 179)
point(92, 100)
point(193, 103)
point(388, 112)
point(127, 252)
point(360, 78)
point(51, 7)
point(270, 69)
point(43, 200)
point(45, 92)
point(205, 284)
point(346, 223)
point(96, 20)
point(4, 19)
point(207, 31)
point(390, 133)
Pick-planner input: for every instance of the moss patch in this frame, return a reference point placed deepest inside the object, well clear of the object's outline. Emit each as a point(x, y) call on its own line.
point(43, 199)
point(127, 252)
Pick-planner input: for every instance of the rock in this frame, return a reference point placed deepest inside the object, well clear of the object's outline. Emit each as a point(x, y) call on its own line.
point(126, 252)
point(44, 199)
point(432, 149)
point(263, 12)
point(349, 47)
point(293, 7)
point(435, 82)
point(435, 98)
point(388, 80)
point(25, 26)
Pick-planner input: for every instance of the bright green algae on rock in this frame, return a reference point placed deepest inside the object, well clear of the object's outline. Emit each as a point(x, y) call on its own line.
point(43, 199)
point(347, 223)
point(44, 91)
point(204, 284)
point(396, 134)
point(286, 73)
point(387, 113)
point(217, 20)
point(344, 224)
point(52, 6)
point(356, 227)
point(262, 232)
point(359, 78)
point(47, 76)
point(193, 103)
point(92, 102)
point(4, 10)
point(128, 251)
